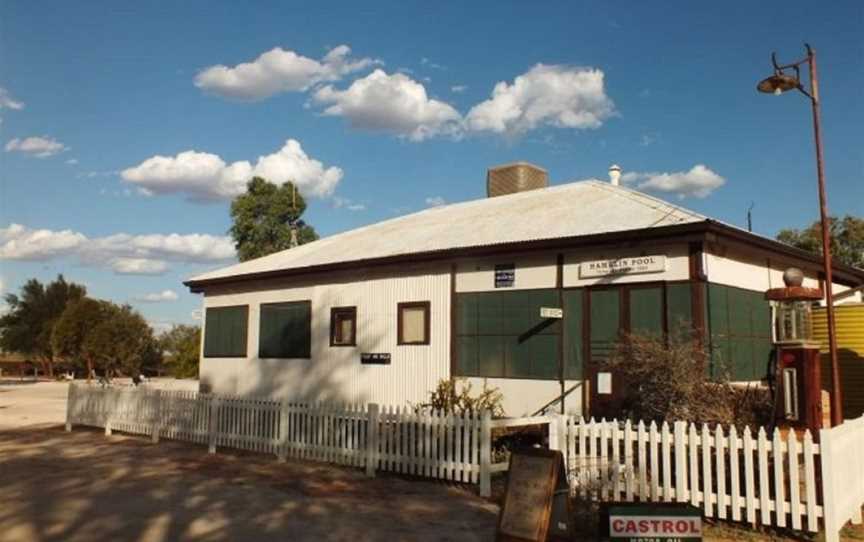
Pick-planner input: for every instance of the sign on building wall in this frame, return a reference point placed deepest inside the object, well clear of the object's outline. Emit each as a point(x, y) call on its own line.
point(623, 266)
point(655, 523)
point(505, 275)
point(375, 358)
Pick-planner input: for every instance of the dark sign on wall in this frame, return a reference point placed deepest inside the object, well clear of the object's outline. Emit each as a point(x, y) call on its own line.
point(367, 358)
point(505, 275)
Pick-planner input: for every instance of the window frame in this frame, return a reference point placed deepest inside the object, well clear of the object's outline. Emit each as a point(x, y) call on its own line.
point(334, 313)
point(204, 331)
point(308, 303)
point(427, 323)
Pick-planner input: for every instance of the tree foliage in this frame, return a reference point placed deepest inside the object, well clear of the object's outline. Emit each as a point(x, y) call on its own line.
point(263, 216)
point(28, 325)
point(847, 239)
point(73, 327)
point(181, 346)
point(121, 342)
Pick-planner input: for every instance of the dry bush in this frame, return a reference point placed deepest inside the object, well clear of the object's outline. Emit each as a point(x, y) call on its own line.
point(454, 396)
point(667, 380)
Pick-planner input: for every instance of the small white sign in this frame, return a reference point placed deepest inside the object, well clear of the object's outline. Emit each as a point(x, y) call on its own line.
point(623, 266)
point(604, 383)
point(551, 312)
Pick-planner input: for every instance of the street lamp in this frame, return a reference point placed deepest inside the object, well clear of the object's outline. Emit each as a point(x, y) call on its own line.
point(782, 81)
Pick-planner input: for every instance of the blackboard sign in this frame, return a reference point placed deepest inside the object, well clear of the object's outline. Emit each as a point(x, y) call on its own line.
point(505, 275)
point(375, 359)
point(661, 522)
point(534, 488)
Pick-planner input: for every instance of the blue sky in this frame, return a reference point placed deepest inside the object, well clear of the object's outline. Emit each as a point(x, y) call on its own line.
point(384, 110)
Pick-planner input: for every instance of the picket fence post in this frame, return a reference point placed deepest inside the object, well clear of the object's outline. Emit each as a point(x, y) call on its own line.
point(156, 421)
point(283, 432)
point(372, 440)
point(214, 424)
point(111, 406)
point(70, 404)
point(486, 454)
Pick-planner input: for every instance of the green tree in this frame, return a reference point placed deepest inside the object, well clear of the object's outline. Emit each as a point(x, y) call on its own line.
point(73, 326)
point(181, 346)
point(263, 217)
point(847, 239)
point(121, 342)
point(28, 325)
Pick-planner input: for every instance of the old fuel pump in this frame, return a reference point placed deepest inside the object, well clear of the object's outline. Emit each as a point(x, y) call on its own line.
point(798, 383)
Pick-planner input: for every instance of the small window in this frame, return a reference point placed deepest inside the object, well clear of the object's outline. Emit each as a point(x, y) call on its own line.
point(225, 331)
point(285, 330)
point(413, 323)
point(343, 326)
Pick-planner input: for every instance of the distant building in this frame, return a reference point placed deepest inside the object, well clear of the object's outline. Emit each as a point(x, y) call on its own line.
point(383, 312)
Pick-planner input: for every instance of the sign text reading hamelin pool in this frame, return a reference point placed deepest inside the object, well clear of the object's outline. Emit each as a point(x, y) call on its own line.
point(623, 266)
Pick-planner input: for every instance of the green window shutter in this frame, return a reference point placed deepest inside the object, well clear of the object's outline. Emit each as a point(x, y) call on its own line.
point(573, 334)
point(679, 307)
point(285, 330)
point(467, 357)
point(225, 331)
point(490, 356)
point(646, 311)
point(605, 322)
point(466, 314)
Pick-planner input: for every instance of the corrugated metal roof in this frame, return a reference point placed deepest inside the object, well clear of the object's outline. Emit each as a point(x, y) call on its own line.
point(569, 210)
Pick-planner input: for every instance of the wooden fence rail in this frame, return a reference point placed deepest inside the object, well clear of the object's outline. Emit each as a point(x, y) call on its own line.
point(784, 481)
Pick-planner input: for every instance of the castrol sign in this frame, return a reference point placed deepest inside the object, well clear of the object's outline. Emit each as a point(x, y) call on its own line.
point(655, 523)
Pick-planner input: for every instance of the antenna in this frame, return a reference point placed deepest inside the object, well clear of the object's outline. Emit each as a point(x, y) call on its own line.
point(750, 216)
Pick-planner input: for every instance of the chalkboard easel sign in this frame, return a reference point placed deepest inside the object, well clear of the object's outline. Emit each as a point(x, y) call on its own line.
point(536, 485)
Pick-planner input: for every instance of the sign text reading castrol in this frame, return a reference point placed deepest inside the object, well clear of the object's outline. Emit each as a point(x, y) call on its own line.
point(655, 527)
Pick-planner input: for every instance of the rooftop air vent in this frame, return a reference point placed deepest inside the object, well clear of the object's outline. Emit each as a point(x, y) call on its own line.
point(515, 177)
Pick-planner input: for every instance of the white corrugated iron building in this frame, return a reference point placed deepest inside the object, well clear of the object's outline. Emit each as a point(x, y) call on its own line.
point(382, 313)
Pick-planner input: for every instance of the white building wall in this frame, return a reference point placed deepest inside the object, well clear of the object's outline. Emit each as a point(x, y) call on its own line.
point(524, 397)
point(532, 272)
point(335, 374)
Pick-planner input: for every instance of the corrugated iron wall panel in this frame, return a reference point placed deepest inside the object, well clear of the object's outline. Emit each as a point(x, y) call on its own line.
point(849, 320)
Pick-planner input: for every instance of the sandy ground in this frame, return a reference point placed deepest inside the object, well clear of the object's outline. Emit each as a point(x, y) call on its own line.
point(83, 486)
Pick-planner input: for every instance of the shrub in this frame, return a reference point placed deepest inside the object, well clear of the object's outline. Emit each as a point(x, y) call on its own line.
point(667, 380)
point(453, 396)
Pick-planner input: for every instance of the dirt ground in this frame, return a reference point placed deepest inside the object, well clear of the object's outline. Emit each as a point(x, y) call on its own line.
point(59, 486)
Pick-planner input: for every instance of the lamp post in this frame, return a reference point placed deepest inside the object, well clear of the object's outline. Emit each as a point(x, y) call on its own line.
point(777, 84)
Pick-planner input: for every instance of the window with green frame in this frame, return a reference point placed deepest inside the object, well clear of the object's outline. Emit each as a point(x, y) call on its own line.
point(740, 332)
point(285, 330)
point(501, 334)
point(225, 330)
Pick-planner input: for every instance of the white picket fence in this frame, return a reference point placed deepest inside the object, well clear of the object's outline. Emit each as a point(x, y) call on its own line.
point(778, 481)
point(394, 439)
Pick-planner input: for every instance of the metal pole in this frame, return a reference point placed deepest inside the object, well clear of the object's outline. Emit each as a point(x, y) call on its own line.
point(836, 393)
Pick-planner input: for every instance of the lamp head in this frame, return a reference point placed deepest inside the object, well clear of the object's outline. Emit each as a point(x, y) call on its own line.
point(778, 84)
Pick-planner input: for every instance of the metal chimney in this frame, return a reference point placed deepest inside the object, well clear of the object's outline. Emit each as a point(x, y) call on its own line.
point(615, 174)
point(515, 177)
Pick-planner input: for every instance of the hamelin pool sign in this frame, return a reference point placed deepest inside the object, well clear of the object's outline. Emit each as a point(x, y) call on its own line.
point(655, 523)
point(623, 266)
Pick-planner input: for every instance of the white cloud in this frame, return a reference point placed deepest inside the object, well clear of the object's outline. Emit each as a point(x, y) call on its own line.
point(546, 95)
point(435, 201)
point(391, 103)
point(7, 102)
point(345, 203)
point(699, 182)
point(159, 297)
point(72, 161)
point(278, 71)
point(203, 176)
point(122, 252)
point(40, 147)
point(458, 89)
point(138, 266)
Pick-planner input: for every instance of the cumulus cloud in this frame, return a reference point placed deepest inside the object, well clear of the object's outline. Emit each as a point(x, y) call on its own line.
point(392, 103)
point(158, 297)
point(546, 95)
point(345, 203)
point(138, 266)
point(278, 71)
point(72, 161)
point(8, 102)
point(435, 201)
point(123, 253)
point(458, 89)
point(38, 146)
point(699, 182)
point(206, 177)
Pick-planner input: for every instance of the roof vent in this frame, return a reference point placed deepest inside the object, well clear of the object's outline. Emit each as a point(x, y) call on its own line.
point(615, 174)
point(515, 177)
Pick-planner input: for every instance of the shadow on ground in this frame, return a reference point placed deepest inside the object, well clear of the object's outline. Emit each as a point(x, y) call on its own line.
point(88, 487)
